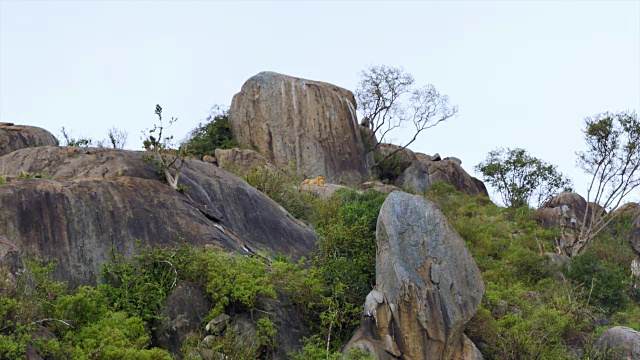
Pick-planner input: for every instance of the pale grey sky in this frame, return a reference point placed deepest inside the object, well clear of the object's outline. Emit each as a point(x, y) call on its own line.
point(523, 73)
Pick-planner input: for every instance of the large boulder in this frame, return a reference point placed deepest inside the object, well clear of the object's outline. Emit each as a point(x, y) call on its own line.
point(404, 155)
point(14, 137)
point(567, 212)
point(619, 342)
point(309, 124)
point(427, 286)
point(450, 172)
point(89, 201)
point(415, 178)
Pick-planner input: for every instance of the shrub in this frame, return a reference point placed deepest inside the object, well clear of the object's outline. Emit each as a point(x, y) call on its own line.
point(214, 134)
point(604, 282)
point(139, 286)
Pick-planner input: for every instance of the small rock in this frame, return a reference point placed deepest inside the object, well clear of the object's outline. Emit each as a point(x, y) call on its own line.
point(436, 157)
point(218, 324)
point(453, 159)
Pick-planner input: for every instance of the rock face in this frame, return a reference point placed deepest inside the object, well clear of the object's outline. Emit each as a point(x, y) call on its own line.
point(14, 137)
point(245, 159)
point(405, 155)
point(182, 312)
point(450, 172)
point(11, 263)
point(309, 124)
point(427, 286)
point(620, 342)
point(90, 201)
point(415, 178)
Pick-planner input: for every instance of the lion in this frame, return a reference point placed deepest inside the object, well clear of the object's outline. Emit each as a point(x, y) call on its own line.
point(319, 181)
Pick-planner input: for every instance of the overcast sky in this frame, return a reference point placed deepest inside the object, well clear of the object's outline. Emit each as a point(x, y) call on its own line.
point(523, 73)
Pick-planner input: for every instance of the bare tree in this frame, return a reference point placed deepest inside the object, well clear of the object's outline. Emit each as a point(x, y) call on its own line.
point(612, 159)
point(387, 99)
point(169, 161)
point(117, 137)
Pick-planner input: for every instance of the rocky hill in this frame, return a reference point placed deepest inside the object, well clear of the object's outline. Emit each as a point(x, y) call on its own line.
point(100, 258)
point(76, 205)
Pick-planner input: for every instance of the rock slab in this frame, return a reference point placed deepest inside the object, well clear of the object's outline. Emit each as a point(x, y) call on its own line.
point(427, 286)
point(93, 200)
point(309, 124)
point(14, 137)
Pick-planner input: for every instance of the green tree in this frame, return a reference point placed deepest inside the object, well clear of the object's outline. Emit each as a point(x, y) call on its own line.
point(611, 158)
point(214, 134)
point(387, 99)
point(521, 178)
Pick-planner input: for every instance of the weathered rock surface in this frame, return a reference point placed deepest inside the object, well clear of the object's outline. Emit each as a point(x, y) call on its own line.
point(427, 286)
point(631, 209)
point(309, 124)
point(99, 199)
point(182, 312)
point(620, 342)
point(242, 159)
point(381, 188)
point(11, 264)
point(14, 137)
point(325, 191)
point(405, 155)
point(450, 172)
point(454, 159)
point(566, 211)
point(415, 178)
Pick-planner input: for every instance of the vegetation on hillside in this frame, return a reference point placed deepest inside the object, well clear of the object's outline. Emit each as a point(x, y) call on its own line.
point(214, 133)
point(532, 308)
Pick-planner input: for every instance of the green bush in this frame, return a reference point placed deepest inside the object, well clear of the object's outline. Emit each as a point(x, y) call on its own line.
point(214, 134)
point(139, 286)
point(232, 279)
point(604, 281)
point(116, 336)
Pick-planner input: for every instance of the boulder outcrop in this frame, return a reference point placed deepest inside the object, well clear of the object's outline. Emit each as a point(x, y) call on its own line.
point(182, 312)
point(14, 137)
point(89, 201)
point(619, 342)
point(450, 172)
point(427, 286)
point(567, 212)
point(244, 159)
point(309, 124)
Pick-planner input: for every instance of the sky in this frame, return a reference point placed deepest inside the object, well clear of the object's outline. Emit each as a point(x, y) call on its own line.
point(523, 73)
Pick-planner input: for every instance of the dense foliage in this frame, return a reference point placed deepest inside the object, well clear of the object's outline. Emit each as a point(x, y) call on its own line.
point(214, 133)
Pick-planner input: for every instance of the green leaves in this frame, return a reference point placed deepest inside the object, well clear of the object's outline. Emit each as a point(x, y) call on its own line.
point(214, 134)
point(521, 178)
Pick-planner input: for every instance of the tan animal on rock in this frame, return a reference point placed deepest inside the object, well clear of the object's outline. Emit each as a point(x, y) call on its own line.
point(319, 181)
